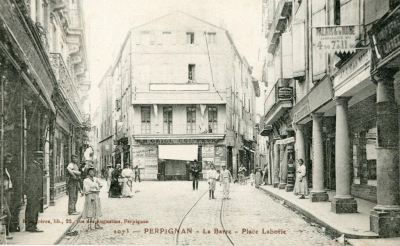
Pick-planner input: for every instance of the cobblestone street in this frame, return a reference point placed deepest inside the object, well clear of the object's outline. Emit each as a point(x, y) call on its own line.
point(162, 206)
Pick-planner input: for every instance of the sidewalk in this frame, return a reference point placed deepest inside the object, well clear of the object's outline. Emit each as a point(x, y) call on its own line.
point(354, 226)
point(53, 231)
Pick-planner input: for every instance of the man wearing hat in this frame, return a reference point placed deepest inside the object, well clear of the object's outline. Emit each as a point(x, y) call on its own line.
point(34, 192)
point(12, 174)
point(137, 173)
point(226, 178)
point(73, 185)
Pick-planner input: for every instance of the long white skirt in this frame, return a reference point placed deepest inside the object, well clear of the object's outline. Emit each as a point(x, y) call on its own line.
point(126, 189)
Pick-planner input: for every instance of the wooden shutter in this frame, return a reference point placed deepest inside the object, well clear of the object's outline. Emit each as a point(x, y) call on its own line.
point(319, 57)
point(287, 55)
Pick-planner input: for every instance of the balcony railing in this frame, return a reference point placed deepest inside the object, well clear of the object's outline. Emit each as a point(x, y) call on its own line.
point(198, 128)
point(65, 81)
point(282, 91)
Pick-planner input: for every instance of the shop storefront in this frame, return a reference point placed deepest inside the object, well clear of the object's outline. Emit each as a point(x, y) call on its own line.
point(145, 155)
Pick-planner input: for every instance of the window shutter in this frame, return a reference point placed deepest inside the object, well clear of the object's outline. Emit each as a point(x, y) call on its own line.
point(319, 57)
point(287, 55)
point(298, 56)
point(271, 75)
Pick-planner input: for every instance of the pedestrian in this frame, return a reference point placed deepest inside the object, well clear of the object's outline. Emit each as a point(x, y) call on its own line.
point(258, 177)
point(34, 192)
point(242, 172)
point(195, 174)
point(109, 172)
point(252, 177)
point(212, 178)
point(92, 207)
point(14, 200)
point(265, 176)
point(226, 179)
point(127, 175)
point(6, 186)
point(137, 173)
point(73, 185)
point(301, 185)
point(115, 188)
point(82, 169)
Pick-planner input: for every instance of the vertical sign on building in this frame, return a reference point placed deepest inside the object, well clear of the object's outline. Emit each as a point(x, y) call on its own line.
point(146, 158)
point(207, 152)
point(220, 156)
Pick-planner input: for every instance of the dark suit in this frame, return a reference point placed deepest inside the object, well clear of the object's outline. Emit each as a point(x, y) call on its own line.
point(195, 173)
point(34, 194)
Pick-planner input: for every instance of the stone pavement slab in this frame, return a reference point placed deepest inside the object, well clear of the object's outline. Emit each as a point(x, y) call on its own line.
point(54, 222)
point(354, 225)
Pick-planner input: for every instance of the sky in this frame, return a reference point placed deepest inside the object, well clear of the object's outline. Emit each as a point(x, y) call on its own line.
point(108, 22)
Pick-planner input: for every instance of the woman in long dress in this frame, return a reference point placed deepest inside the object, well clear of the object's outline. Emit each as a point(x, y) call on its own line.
point(127, 174)
point(115, 188)
point(301, 185)
point(92, 208)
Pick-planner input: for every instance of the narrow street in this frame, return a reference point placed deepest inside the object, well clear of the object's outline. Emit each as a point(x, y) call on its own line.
point(161, 207)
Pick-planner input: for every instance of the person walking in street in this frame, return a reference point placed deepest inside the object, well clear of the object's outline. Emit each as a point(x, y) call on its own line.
point(34, 192)
point(212, 178)
point(226, 179)
point(137, 173)
point(195, 174)
point(265, 176)
point(13, 200)
point(92, 207)
point(127, 175)
point(73, 185)
point(110, 169)
point(252, 177)
point(115, 188)
point(301, 185)
point(242, 172)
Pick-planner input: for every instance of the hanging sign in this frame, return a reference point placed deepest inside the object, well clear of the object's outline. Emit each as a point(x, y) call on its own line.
point(334, 39)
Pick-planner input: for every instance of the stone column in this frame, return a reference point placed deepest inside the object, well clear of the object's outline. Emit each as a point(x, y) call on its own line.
point(318, 194)
point(300, 144)
point(343, 201)
point(385, 218)
point(276, 165)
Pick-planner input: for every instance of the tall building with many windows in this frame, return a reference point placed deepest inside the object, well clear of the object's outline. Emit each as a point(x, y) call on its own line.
point(181, 81)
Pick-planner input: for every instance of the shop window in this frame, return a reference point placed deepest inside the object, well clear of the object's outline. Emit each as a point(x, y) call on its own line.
point(191, 120)
point(167, 120)
point(212, 119)
point(145, 111)
point(190, 38)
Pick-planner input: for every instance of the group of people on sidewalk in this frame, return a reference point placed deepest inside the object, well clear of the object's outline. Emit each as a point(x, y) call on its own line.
point(120, 181)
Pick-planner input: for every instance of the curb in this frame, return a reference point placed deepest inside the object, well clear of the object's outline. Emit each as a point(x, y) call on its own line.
point(336, 231)
point(69, 228)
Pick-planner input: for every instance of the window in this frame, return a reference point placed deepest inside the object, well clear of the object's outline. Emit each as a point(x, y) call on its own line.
point(190, 38)
point(191, 120)
point(191, 72)
point(166, 38)
point(145, 120)
point(168, 120)
point(212, 119)
point(211, 38)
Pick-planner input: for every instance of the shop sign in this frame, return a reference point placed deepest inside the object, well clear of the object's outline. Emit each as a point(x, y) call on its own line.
point(335, 39)
point(220, 156)
point(285, 93)
point(176, 141)
point(145, 157)
point(302, 112)
point(348, 70)
point(385, 35)
point(285, 141)
point(207, 151)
